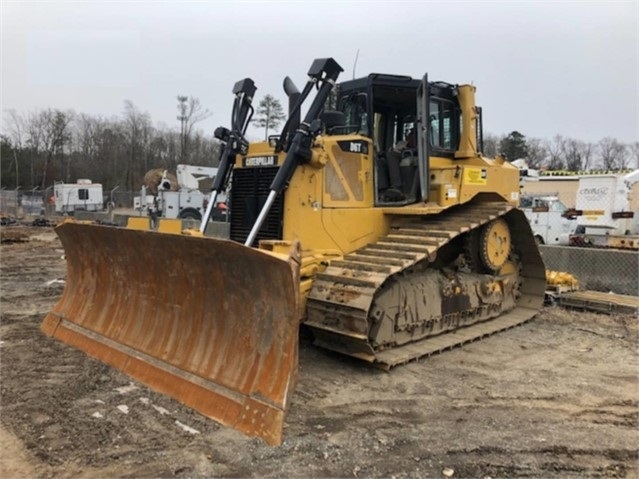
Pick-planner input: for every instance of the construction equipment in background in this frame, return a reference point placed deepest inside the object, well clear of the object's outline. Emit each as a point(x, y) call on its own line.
point(159, 179)
point(561, 278)
point(385, 253)
point(605, 213)
point(558, 283)
point(563, 290)
point(179, 195)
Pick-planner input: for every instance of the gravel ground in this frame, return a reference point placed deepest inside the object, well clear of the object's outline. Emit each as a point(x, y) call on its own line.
point(556, 397)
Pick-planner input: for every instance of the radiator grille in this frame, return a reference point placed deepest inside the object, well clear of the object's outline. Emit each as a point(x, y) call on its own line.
point(248, 195)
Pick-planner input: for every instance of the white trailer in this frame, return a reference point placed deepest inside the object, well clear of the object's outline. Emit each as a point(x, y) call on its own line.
point(605, 213)
point(81, 196)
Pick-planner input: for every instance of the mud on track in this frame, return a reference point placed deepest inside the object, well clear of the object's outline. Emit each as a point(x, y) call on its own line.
point(556, 397)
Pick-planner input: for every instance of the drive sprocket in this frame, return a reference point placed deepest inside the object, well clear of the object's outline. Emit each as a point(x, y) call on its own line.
point(494, 244)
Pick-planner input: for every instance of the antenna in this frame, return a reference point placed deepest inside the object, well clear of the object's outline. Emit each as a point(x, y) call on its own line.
point(355, 63)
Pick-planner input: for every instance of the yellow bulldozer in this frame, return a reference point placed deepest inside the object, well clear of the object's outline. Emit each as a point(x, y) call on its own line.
point(375, 221)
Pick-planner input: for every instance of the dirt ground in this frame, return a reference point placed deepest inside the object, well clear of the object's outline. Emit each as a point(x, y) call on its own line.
point(556, 397)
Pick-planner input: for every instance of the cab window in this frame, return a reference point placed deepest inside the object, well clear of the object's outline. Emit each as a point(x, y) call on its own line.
point(444, 125)
point(354, 108)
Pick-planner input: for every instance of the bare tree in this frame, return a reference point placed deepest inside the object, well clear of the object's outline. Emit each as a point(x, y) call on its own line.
point(587, 151)
point(85, 129)
point(160, 147)
point(56, 133)
point(191, 112)
point(613, 154)
point(555, 153)
point(117, 151)
point(136, 132)
point(537, 153)
point(204, 151)
point(491, 145)
point(573, 152)
point(269, 114)
point(634, 153)
point(15, 125)
point(89, 156)
point(113, 152)
point(35, 135)
point(578, 154)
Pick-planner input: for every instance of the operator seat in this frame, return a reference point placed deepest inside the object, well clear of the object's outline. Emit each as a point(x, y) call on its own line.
point(333, 121)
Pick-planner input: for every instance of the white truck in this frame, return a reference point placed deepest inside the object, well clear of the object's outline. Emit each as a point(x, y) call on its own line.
point(546, 214)
point(84, 195)
point(188, 201)
point(606, 211)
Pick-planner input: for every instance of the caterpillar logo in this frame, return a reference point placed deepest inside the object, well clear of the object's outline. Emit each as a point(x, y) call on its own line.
point(270, 160)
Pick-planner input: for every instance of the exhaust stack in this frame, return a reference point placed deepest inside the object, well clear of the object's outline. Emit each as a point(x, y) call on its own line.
point(293, 94)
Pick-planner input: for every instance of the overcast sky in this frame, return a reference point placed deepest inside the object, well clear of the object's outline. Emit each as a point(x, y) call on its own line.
point(542, 68)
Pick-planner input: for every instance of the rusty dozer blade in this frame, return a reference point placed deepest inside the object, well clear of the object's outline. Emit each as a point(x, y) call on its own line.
point(210, 322)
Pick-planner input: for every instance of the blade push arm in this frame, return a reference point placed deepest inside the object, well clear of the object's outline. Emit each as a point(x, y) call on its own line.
point(233, 140)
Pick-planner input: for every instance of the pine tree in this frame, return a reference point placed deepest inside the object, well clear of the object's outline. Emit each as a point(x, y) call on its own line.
point(269, 114)
point(514, 146)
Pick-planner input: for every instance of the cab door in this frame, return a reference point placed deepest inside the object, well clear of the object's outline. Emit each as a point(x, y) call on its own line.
point(423, 149)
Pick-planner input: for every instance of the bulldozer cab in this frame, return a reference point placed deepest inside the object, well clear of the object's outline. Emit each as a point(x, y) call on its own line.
point(358, 159)
point(408, 121)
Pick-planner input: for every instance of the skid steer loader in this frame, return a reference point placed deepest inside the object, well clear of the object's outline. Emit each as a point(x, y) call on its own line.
point(387, 250)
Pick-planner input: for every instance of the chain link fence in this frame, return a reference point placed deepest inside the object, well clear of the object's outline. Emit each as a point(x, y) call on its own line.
point(596, 238)
point(598, 269)
point(25, 204)
point(122, 199)
point(9, 203)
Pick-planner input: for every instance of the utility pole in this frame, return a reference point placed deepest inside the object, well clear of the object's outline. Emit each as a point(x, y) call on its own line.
point(182, 117)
